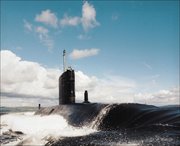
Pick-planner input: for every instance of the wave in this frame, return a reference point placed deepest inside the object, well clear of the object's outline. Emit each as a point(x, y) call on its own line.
point(38, 129)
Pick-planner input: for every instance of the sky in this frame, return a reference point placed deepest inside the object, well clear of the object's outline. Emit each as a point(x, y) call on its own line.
point(122, 51)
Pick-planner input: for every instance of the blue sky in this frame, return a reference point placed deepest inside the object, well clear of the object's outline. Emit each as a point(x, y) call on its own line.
point(135, 39)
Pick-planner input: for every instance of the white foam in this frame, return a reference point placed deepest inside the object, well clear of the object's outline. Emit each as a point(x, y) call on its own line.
point(37, 127)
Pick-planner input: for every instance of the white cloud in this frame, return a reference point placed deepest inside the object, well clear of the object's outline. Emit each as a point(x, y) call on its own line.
point(42, 33)
point(44, 37)
point(47, 17)
point(88, 19)
point(29, 83)
point(32, 83)
point(77, 54)
point(25, 77)
point(70, 21)
point(41, 30)
point(27, 25)
point(113, 89)
point(88, 16)
point(162, 97)
point(85, 82)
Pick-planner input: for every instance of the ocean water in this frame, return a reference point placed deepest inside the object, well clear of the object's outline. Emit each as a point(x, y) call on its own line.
point(6, 110)
point(146, 126)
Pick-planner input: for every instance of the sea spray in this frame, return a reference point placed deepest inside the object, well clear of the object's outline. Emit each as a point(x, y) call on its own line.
point(38, 128)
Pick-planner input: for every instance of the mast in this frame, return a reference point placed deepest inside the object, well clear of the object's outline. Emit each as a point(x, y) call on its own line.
point(64, 60)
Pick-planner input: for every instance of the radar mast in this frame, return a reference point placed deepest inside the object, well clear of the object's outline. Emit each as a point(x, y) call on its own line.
point(64, 60)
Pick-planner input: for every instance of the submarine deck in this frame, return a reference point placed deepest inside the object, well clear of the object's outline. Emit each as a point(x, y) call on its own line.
point(75, 114)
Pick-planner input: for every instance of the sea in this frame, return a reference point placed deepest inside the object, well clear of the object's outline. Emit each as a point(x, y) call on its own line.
point(141, 126)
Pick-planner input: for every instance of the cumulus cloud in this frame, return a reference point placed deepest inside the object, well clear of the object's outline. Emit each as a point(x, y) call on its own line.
point(88, 19)
point(25, 77)
point(88, 16)
point(77, 54)
point(47, 17)
point(44, 37)
point(112, 89)
point(42, 33)
point(70, 21)
point(162, 97)
point(42, 30)
point(29, 83)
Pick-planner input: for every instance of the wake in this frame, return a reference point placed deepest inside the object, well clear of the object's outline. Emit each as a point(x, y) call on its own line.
point(38, 129)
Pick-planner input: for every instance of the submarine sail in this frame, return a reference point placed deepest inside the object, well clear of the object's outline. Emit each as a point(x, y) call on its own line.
point(67, 85)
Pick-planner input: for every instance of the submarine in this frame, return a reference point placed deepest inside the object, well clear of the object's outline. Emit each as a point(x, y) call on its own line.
point(106, 116)
point(77, 114)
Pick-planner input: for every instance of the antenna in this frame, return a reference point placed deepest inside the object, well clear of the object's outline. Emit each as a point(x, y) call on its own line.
point(64, 60)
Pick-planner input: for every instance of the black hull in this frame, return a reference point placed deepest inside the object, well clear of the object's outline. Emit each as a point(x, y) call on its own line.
point(117, 116)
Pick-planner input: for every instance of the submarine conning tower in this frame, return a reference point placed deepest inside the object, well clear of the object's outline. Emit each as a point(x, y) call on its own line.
point(66, 84)
point(67, 87)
